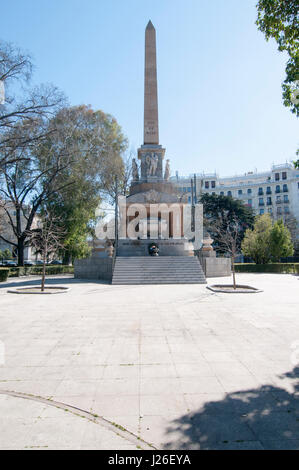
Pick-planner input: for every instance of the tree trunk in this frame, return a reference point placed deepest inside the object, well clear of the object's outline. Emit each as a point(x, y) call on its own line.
point(21, 252)
point(43, 274)
point(66, 258)
point(234, 273)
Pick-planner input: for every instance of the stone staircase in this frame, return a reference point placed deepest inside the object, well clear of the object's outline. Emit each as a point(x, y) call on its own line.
point(158, 270)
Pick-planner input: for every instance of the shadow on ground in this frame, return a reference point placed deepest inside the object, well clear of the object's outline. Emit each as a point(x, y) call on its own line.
point(262, 418)
point(18, 282)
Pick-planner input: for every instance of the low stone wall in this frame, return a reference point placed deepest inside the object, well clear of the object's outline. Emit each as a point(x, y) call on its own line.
point(216, 267)
point(93, 268)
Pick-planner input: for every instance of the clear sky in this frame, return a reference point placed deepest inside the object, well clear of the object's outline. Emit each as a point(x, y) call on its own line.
point(220, 104)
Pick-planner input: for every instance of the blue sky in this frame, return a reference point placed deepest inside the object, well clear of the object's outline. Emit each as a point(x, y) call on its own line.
point(220, 103)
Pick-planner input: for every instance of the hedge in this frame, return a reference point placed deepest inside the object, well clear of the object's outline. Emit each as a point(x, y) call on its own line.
point(4, 272)
point(32, 270)
point(278, 268)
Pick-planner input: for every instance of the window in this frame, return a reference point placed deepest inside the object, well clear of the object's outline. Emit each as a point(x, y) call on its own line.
point(285, 188)
point(269, 190)
point(285, 198)
point(207, 185)
point(185, 190)
point(270, 210)
point(250, 202)
point(279, 212)
point(262, 211)
point(221, 193)
point(229, 193)
point(189, 190)
point(240, 192)
point(189, 199)
point(286, 210)
point(277, 190)
point(269, 201)
point(278, 200)
point(249, 191)
point(261, 192)
point(276, 176)
point(284, 175)
point(213, 184)
point(261, 201)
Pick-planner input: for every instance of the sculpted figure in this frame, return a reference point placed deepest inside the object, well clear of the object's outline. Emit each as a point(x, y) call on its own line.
point(167, 171)
point(135, 172)
point(152, 161)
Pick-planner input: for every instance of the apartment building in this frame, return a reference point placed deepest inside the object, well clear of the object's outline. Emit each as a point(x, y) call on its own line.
point(275, 191)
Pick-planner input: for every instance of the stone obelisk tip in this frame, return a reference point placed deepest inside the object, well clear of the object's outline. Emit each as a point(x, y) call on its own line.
point(150, 25)
point(151, 126)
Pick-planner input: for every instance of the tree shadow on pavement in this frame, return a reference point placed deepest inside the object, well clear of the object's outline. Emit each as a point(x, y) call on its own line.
point(262, 418)
point(36, 281)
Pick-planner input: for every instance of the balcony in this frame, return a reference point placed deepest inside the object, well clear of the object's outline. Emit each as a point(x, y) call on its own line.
point(285, 190)
point(261, 204)
point(268, 191)
point(277, 191)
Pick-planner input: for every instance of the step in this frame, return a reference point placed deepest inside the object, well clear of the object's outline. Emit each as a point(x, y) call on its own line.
point(157, 270)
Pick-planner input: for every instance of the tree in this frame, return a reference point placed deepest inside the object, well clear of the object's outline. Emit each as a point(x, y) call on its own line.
point(121, 182)
point(227, 210)
point(279, 19)
point(228, 229)
point(47, 239)
point(280, 241)
point(291, 223)
point(256, 243)
point(6, 254)
point(98, 144)
point(21, 104)
point(267, 241)
point(66, 170)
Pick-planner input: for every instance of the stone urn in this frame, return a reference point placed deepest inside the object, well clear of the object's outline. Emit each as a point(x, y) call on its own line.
point(207, 251)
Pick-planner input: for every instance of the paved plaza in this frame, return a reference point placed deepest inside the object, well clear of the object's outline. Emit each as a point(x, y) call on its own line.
point(168, 366)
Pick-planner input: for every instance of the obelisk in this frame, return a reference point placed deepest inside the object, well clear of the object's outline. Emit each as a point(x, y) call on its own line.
point(151, 123)
point(151, 153)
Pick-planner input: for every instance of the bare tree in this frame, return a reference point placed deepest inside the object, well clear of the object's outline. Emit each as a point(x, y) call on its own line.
point(21, 104)
point(228, 231)
point(121, 182)
point(47, 239)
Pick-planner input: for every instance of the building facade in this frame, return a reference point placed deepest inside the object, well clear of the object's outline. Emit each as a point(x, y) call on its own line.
point(275, 192)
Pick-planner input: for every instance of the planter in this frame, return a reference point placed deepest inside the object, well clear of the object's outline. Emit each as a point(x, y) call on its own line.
point(229, 289)
point(37, 290)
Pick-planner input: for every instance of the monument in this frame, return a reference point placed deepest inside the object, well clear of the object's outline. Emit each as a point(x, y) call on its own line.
point(157, 234)
point(162, 221)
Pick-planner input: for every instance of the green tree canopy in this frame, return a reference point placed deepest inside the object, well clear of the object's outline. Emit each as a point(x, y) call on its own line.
point(280, 241)
point(227, 210)
point(267, 241)
point(279, 19)
point(97, 146)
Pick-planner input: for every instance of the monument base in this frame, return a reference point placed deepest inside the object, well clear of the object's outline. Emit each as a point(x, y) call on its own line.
point(215, 267)
point(167, 247)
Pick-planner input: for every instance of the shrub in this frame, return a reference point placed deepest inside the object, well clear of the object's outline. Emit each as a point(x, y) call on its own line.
point(276, 268)
point(37, 270)
point(4, 272)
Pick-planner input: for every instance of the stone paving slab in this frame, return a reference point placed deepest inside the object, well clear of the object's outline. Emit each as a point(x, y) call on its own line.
point(179, 366)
